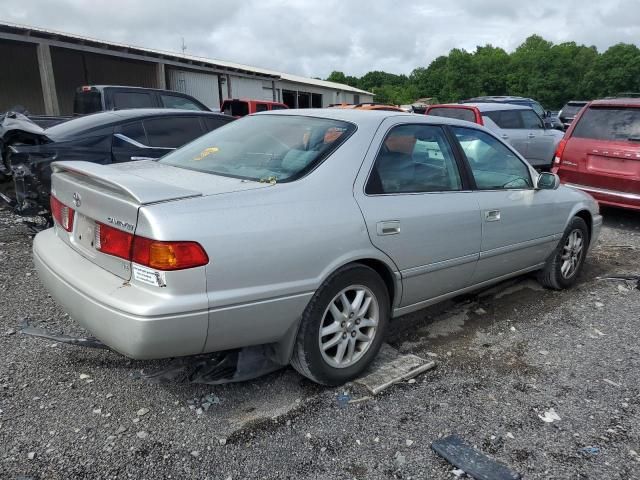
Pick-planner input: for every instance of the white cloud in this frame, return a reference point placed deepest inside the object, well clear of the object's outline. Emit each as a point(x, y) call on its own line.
point(313, 38)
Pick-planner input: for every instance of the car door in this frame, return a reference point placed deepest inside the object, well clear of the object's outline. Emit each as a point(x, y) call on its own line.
point(541, 140)
point(130, 143)
point(419, 209)
point(520, 225)
point(512, 129)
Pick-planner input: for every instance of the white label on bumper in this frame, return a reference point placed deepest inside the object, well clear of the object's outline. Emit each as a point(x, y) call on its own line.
point(149, 276)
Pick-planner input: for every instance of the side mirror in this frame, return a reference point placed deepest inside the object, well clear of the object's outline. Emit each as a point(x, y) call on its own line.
point(547, 181)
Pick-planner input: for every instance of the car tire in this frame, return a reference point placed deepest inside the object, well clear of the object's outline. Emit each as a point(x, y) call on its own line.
point(565, 263)
point(340, 351)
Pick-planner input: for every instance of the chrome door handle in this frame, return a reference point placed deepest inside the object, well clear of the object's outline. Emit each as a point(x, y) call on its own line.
point(141, 158)
point(388, 227)
point(492, 215)
point(532, 135)
point(504, 136)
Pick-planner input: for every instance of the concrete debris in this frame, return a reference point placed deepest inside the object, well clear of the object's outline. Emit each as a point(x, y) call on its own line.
point(142, 435)
point(543, 352)
point(480, 311)
point(409, 442)
point(458, 472)
point(611, 382)
point(599, 304)
point(31, 455)
point(195, 453)
point(142, 412)
point(510, 435)
point(121, 429)
point(550, 416)
point(97, 411)
point(11, 331)
point(399, 460)
point(84, 376)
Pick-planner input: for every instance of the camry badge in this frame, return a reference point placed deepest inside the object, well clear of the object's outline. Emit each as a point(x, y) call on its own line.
point(77, 201)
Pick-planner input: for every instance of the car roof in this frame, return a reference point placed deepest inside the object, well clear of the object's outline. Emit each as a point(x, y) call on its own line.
point(96, 120)
point(617, 102)
point(359, 116)
point(485, 107)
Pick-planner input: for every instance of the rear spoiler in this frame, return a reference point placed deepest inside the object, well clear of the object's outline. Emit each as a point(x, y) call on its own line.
point(144, 191)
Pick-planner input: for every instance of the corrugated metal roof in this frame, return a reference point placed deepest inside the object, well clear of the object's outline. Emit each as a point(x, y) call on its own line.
point(72, 38)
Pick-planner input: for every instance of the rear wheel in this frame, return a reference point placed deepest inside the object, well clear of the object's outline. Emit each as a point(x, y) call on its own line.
point(343, 326)
point(564, 265)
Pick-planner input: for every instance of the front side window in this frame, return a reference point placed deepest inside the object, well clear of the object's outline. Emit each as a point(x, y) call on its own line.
point(273, 148)
point(172, 132)
point(530, 120)
point(235, 108)
point(493, 165)
point(412, 159)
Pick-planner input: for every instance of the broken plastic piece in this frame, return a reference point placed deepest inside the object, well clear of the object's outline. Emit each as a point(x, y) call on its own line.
point(89, 342)
point(216, 368)
point(474, 463)
point(590, 450)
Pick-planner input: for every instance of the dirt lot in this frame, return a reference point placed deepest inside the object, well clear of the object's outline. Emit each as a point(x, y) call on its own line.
point(505, 357)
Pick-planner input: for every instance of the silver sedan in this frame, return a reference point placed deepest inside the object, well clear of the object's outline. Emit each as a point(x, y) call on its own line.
point(307, 230)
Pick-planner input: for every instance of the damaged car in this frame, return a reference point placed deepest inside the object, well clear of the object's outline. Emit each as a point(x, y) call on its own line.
point(27, 150)
point(305, 232)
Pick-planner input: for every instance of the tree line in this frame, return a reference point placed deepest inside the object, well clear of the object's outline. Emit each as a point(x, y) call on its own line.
point(550, 73)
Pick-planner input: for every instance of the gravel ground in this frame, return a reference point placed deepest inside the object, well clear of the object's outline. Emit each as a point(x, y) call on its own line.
point(506, 358)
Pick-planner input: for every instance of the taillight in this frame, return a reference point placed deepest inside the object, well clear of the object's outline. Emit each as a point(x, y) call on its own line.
point(62, 214)
point(150, 253)
point(557, 158)
point(112, 241)
point(168, 255)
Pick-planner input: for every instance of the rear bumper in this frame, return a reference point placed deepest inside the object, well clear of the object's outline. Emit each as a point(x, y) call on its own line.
point(610, 197)
point(121, 315)
point(595, 230)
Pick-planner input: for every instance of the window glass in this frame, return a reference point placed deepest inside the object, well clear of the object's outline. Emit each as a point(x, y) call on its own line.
point(530, 120)
point(414, 158)
point(609, 124)
point(132, 100)
point(261, 107)
point(211, 123)
point(235, 108)
point(134, 131)
point(278, 107)
point(82, 125)
point(458, 113)
point(175, 101)
point(87, 102)
point(172, 132)
point(269, 148)
point(494, 166)
point(508, 119)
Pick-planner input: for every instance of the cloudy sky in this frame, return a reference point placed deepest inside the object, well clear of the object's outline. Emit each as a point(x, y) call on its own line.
point(313, 37)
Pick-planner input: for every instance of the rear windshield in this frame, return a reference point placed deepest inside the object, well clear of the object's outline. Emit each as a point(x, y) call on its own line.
point(602, 123)
point(81, 125)
point(87, 102)
point(269, 148)
point(235, 108)
point(457, 113)
point(570, 109)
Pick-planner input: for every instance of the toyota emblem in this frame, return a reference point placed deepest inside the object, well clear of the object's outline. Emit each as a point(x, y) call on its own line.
point(76, 199)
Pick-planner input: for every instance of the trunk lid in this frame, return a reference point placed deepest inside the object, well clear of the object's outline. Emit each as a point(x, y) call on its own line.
point(112, 195)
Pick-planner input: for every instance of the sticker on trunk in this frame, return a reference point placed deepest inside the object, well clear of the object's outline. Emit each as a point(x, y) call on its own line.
point(149, 276)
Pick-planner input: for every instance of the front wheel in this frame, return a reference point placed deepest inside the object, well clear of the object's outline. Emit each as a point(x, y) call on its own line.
point(562, 268)
point(343, 326)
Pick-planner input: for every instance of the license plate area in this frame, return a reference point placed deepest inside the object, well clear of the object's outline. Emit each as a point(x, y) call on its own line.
point(85, 234)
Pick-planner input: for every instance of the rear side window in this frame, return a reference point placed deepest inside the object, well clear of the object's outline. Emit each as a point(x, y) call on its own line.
point(278, 107)
point(609, 124)
point(172, 132)
point(261, 107)
point(457, 113)
point(570, 109)
point(123, 100)
point(414, 158)
point(235, 108)
point(87, 102)
point(211, 123)
point(507, 119)
point(175, 101)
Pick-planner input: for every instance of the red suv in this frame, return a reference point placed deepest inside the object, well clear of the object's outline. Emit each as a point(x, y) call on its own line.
point(600, 153)
point(246, 106)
